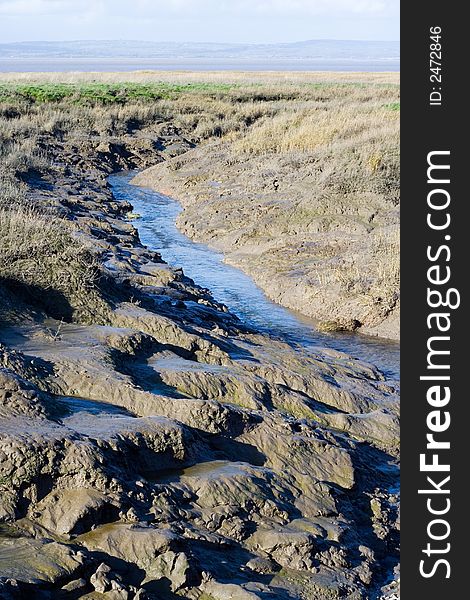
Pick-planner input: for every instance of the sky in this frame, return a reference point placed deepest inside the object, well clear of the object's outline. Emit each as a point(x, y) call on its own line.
point(246, 21)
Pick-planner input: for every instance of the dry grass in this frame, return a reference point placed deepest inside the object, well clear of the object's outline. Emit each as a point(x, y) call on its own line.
point(236, 77)
point(383, 253)
point(321, 125)
point(39, 255)
point(41, 251)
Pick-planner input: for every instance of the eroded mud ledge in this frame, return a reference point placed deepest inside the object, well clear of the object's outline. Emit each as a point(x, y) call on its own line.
point(152, 447)
point(318, 232)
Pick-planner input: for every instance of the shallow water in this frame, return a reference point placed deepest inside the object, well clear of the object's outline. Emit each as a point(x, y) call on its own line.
point(83, 64)
point(232, 287)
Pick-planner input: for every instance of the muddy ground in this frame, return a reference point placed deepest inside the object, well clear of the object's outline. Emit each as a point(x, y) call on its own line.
point(154, 447)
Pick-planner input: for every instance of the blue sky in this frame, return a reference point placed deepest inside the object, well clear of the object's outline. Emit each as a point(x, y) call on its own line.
point(256, 21)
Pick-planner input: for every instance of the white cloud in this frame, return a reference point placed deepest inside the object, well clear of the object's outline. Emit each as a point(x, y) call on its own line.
point(198, 20)
point(264, 7)
point(44, 7)
point(210, 8)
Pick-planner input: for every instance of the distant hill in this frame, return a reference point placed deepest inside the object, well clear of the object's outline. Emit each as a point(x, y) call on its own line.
point(307, 50)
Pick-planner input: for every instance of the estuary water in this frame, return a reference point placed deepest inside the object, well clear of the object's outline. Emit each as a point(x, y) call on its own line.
point(235, 289)
point(104, 65)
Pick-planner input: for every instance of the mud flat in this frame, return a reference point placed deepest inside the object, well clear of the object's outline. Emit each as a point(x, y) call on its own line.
point(154, 446)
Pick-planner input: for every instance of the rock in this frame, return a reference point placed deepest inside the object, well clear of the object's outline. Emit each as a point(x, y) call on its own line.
point(72, 511)
point(100, 579)
point(228, 591)
point(75, 585)
point(117, 592)
point(292, 549)
point(260, 565)
point(37, 561)
point(305, 456)
point(339, 325)
point(18, 397)
point(380, 427)
point(173, 566)
point(8, 503)
point(137, 544)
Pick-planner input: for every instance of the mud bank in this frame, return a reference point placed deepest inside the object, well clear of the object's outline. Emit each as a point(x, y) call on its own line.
point(318, 232)
point(152, 446)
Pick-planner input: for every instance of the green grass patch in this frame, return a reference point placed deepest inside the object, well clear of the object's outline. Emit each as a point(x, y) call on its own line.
point(105, 93)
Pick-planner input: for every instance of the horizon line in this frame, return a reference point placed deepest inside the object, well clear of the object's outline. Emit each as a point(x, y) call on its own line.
point(194, 42)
